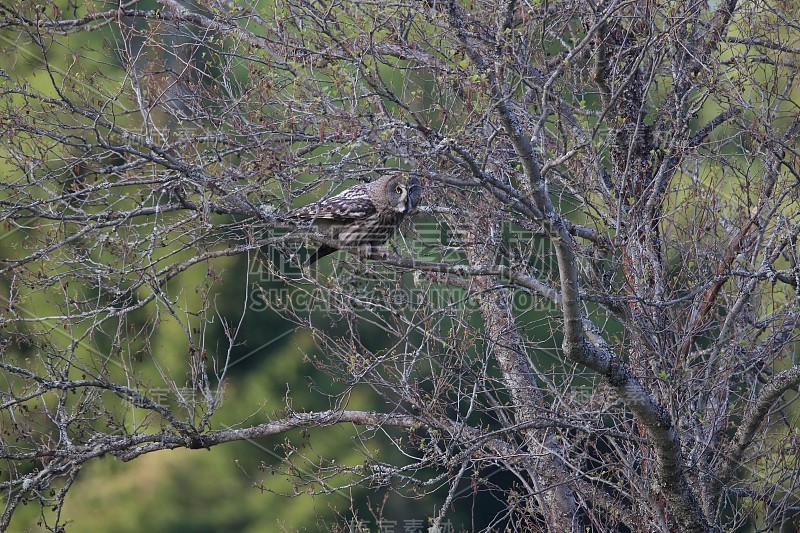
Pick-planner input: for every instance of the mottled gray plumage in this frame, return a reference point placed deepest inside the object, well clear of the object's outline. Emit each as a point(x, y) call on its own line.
point(364, 214)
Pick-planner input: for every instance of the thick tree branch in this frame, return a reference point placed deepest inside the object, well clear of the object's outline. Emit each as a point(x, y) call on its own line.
point(753, 418)
point(666, 441)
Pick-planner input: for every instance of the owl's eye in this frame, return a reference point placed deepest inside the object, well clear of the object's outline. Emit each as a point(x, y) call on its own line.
point(398, 189)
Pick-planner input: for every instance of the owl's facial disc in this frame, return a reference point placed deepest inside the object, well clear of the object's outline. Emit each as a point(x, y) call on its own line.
point(399, 193)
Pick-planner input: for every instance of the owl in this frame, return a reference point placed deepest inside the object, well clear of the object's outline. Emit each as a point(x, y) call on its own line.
point(364, 214)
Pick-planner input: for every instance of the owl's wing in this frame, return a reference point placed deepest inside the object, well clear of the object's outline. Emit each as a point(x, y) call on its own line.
point(340, 208)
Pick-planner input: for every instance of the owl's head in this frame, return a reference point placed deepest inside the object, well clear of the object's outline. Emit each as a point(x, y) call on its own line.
point(394, 191)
